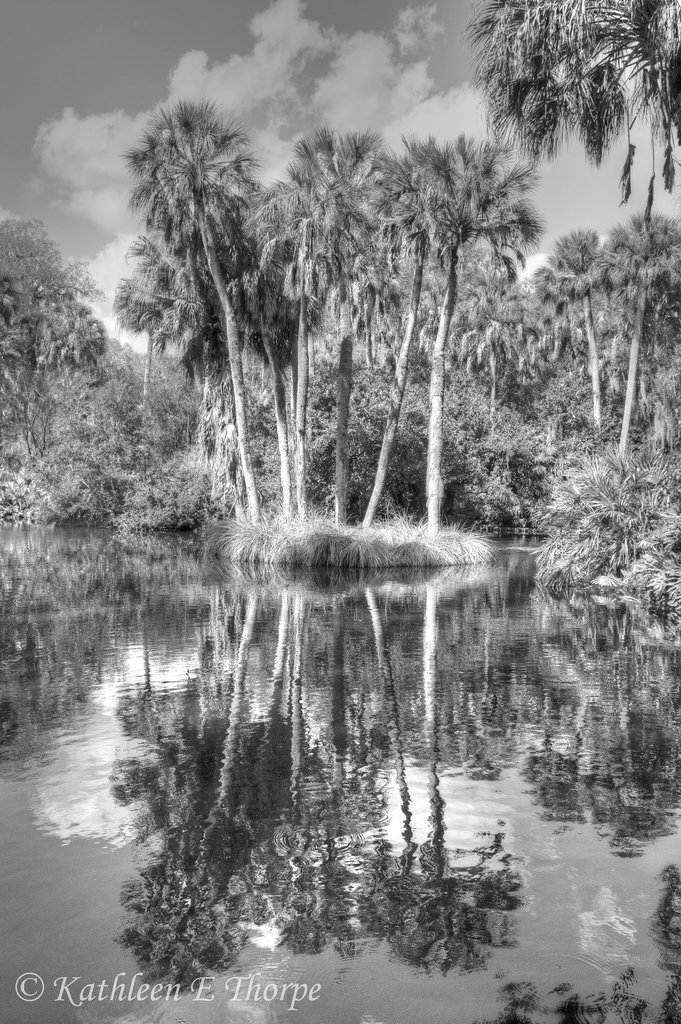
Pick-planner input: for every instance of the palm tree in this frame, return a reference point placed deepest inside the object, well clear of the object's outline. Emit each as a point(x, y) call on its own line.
point(292, 214)
point(9, 297)
point(641, 256)
point(193, 176)
point(555, 69)
point(571, 272)
point(151, 300)
point(476, 196)
point(169, 295)
point(490, 323)
point(342, 171)
point(402, 203)
point(271, 325)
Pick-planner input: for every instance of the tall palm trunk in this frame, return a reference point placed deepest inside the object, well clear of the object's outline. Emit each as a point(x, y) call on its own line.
point(397, 390)
point(493, 394)
point(343, 403)
point(636, 339)
point(302, 389)
point(593, 357)
point(236, 367)
point(369, 306)
point(437, 396)
point(279, 391)
point(147, 372)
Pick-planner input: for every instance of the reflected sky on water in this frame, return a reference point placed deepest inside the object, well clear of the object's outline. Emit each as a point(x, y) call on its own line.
point(444, 799)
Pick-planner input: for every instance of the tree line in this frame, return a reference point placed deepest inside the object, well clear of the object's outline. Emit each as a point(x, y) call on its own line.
point(260, 264)
point(430, 239)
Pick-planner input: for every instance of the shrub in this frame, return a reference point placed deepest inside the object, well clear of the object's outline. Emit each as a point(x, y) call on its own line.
point(608, 517)
point(175, 497)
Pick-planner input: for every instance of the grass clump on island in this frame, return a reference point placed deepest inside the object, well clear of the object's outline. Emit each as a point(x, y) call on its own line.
point(316, 541)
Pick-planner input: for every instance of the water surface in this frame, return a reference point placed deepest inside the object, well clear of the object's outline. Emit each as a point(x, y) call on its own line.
point(451, 799)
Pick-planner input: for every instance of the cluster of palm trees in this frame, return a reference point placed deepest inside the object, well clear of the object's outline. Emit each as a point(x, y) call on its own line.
point(228, 263)
point(612, 286)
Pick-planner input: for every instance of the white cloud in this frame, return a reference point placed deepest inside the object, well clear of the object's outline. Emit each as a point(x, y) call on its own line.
point(295, 74)
point(416, 27)
point(443, 115)
point(84, 157)
point(108, 267)
point(5, 214)
point(532, 263)
point(284, 44)
point(367, 84)
point(295, 70)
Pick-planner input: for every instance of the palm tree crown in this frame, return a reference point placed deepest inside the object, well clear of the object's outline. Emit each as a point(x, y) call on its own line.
point(554, 69)
point(191, 164)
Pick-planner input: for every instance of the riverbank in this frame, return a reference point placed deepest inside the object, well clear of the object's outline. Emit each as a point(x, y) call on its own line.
point(318, 542)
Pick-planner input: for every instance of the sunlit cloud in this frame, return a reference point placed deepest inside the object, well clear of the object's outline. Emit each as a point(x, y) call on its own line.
point(297, 74)
point(442, 115)
point(417, 27)
point(108, 267)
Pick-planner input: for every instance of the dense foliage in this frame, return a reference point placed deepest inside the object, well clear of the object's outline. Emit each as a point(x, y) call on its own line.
point(356, 340)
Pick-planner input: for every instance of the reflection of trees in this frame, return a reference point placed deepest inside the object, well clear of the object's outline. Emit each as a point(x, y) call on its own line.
point(64, 595)
point(523, 1004)
point(279, 828)
point(298, 787)
point(291, 839)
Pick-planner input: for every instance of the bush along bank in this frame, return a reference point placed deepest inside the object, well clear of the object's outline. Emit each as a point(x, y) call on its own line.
point(614, 527)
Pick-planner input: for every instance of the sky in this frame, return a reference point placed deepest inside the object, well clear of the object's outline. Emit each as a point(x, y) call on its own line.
point(80, 78)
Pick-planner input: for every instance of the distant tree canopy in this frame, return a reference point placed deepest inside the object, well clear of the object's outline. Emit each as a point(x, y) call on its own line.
point(46, 317)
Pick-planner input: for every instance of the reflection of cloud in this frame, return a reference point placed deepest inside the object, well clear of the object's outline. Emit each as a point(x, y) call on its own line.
point(605, 932)
point(74, 799)
point(472, 807)
point(165, 671)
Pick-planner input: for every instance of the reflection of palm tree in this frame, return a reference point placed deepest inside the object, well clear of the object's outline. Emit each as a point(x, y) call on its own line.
point(437, 805)
point(236, 709)
point(338, 700)
point(297, 723)
point(394, 727)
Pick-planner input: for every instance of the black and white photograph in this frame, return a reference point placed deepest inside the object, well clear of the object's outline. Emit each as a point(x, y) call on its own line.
point(340, 512)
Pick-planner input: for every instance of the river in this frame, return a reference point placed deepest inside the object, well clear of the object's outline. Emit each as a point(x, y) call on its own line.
point(330, 800)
